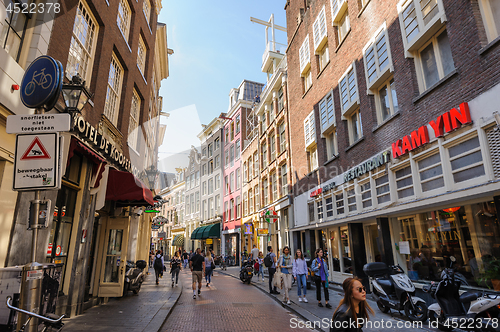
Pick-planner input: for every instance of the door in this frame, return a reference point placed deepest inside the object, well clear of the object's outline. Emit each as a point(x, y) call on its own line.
point(372, 243)
point(114, 257)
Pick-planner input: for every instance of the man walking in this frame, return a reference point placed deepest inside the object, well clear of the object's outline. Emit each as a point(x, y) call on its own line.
point(272, 270)
point(255, 253)
point(185, 258)
point(197, 266)
point(158, 265)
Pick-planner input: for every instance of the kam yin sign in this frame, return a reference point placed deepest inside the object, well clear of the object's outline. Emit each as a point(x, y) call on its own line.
point(445, 123)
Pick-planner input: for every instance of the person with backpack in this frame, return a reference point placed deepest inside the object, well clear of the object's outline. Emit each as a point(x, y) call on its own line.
point(175, 267)
point(158, 265)
point(270, 263)
point(197, 266)
point(320, 269)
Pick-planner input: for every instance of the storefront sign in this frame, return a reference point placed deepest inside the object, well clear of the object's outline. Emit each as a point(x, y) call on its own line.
point(316, 192)
point(447, 122)
point(100, 143)
point(209, 241)
point(367, 166)
point(329, 187)
point(262, 231)
point(248, 228)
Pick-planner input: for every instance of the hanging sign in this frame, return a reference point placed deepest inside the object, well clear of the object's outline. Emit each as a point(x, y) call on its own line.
point(262, 231)
point(41, 82)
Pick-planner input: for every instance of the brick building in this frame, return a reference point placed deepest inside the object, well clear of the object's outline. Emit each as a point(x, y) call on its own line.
point(387, 163)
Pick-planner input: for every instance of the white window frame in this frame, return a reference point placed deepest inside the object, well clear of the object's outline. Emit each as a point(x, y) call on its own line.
point(489, 21)
point(113, 94)
point(402, 178)
point(133, 126)
point(312, 155)
point(284, 179)
point(124, 21)
point(338, 8)
point(142, 54)
point(327, 112)
point(307, 80)
point(373, 47)
point(309, 130)
point(362, 182)
point(352, 100)
point(146, 9)
point(331, 144)
point(352, 139)
point(304, 57)
point(378, 100)
point(379, 173)
point(343, 26)
point(424, 30)
point(424, 155)
point(320, 34)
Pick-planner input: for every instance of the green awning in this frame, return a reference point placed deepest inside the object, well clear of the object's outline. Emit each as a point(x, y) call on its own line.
point(205, 232)
point(196, 235)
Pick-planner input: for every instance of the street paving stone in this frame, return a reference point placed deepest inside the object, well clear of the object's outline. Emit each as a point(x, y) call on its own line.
point(228, 305)
point(144, 312)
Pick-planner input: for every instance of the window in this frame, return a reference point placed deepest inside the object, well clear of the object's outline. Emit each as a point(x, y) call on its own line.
point(344, 26)
point(321, 39)
point(231, 155)
point(237, 150)
point(238, 178)
point(282, 137)
point(339, 202)
point(245, 172)
point(264, 154)
point(226, 184)
point(204, 169)
point(231, 209)
point(490, 11)
point(114, 89)
point(377, 58)
point(238, 208)
point(382, 188)
point(351, 199)
point(309, 130)
point(226, 213)
point(255, 164)
point(141, 56)
point(217, 204)
point(466, 160)
point(204, 188)
point(250, 169)
point(348, 87)
point(14, 29)
point(387, 101)
point(204, 152)
point(274, 187)
point(83, 41)
point(210, 167)
point(265, 194)
point(226, 153)
point(284, 180)
point(217, 144)
point(339, 7)
point(210, 186)
point(250, 201)
point(134, 121)
point(312, 155)
point(272, 146)
point(331, 144)
point(245, 204)
point(307, 81)
point(217, 181)
point(211, 208)
point(217, 161)
point(319, 209)
point(329, 206)
point(327, 112)
point(188, 211)
point(210, 150)
point(355, 127)
point(366, 193)
point(404, 182)
point(227, 134)
point(431, 172)
point(257, 198)
point(280, 100)
point(310, 207)
point(146, 9)
point(197, 178)
point(231, 130)
point(304, 57)
point(123, 19)
point(271, 112)
point(197, 198)
point(434, 60)
point(237, 124)
point(231, 182)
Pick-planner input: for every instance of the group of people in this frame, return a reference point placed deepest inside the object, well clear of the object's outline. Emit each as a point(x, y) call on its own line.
point(201, 264)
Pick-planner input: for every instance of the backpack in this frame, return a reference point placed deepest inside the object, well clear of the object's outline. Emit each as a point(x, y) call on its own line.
point(268, 262)
point(157, 264)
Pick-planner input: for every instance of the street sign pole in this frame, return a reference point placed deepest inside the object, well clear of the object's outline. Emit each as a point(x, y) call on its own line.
point(34, 240)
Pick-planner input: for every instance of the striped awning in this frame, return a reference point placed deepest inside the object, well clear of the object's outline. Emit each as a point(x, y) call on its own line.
point(178, 240)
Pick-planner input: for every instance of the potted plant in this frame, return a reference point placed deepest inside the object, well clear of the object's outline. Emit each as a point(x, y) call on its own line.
point(491, 273)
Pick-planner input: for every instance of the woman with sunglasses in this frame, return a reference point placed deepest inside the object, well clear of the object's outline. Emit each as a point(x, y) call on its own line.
point(300, 274)
point(351, 307)
point(320, 269)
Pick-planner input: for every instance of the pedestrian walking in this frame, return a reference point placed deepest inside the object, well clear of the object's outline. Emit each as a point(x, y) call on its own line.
point(209, 261)
point(197, 266)
point(158, 265)
point(185, 258)
point(175, 267)
point(164, 267)
point(191, 254)
point(260, 261)
point(285, 264)
point(271, 257)
point(300, 274)
point(320, 270)
point(151, 258)
point(255, 253)
point(352, 308)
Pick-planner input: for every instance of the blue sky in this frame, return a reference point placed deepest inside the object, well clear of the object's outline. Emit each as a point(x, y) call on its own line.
point(215, 48)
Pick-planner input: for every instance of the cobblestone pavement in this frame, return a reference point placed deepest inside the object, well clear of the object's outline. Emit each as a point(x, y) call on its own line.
point(311, 312)
point(229, 305)
point(145, 311)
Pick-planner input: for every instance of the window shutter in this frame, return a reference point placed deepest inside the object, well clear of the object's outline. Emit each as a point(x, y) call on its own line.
point(319, 29)
point(304, 55)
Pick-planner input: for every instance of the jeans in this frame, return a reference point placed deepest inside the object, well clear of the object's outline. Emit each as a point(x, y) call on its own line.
point(185, 263)
point(261, 271)
point(321, 284)
point(208, 275)
point(272, 271)
point(175, 273)
point(158, 272)
point(301, 283)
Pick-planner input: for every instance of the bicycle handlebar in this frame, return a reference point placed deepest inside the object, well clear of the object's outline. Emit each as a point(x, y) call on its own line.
point(32, 314)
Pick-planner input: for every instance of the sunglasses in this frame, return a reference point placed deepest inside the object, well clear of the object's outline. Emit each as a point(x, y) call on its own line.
point(362, 289)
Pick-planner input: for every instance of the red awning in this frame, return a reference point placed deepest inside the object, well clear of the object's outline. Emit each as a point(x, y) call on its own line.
point(100, 162)
point(126, 189)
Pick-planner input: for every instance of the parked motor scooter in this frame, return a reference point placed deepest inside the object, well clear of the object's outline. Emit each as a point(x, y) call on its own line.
point(246, 271)
point(476, 311)
point(393, 289)
point(134, 276)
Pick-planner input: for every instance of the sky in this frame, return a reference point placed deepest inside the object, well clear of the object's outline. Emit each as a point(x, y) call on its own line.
point(215, 48)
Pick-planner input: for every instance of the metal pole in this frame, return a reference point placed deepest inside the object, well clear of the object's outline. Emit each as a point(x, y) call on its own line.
point(35, 229)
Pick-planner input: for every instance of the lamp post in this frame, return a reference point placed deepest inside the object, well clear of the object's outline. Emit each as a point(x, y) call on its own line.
point(151, 174)
point(75, 94)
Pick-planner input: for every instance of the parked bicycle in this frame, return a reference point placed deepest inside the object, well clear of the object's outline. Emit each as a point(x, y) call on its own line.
point(51, 322)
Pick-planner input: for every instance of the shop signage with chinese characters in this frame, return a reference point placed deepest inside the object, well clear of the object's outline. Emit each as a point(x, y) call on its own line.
point(445, 123)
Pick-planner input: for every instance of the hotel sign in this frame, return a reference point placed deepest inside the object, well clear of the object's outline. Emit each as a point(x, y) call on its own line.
point(367, 166)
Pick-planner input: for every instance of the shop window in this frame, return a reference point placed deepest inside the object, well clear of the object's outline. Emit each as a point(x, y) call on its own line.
point(329, 206)
point(431, 172)
point(310, 207)
point(490, 12)
point(382, 189)
point(351, 199)
point(346, 251)
point(404, 182)
point(366, 194)
point(319, 208)
point(466, 160)
point(339, 202)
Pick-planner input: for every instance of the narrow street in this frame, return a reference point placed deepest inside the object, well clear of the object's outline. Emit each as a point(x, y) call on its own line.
point(229, 305)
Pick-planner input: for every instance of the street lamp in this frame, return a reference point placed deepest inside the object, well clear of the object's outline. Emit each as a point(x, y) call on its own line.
point(75, 94)
point(151, 174)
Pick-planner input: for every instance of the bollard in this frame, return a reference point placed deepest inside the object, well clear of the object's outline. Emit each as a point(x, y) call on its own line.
point(31, 294)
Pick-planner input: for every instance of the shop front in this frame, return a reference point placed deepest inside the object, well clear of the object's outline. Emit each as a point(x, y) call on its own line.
point(209, 237)
point(231, 246)
point(178, 241)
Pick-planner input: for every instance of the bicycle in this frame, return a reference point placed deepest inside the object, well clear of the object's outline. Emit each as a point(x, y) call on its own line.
point(44, 80)
point(51, 321)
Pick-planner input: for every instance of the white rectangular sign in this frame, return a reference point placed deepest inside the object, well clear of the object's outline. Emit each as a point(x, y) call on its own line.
point(404, 247)
point(38, 123)
point(36, 163)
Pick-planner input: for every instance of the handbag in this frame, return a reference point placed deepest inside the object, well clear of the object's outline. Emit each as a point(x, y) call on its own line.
point(212, 266)
point(277, 279)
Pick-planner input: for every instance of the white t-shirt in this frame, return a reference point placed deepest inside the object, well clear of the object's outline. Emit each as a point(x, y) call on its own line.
point(255, 253)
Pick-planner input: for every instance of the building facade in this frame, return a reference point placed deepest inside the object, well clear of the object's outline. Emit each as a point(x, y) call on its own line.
point(192, 199)
point(396, 161)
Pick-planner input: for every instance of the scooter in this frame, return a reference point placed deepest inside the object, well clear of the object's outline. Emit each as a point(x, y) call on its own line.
point(134, 276)
point(476, 311)
point(246, 271)
point(393, 289)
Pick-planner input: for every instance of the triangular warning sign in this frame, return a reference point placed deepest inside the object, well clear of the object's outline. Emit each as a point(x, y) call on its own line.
point(36, 150)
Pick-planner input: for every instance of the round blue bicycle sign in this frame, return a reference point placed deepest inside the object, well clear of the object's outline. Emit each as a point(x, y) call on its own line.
point(40, 82)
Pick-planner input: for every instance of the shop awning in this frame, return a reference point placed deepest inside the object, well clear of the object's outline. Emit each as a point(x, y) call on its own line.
point(178, 240)
point(125, 189)
point(205, 232)
point(196, 235)
point(99, 161)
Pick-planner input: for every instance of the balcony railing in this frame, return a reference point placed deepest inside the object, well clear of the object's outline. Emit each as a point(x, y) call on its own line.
point(278, 48)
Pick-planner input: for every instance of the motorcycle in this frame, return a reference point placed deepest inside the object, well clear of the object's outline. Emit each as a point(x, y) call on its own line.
point(477, 311)
point(134, 276)
point(393, 289)
point(246, 271)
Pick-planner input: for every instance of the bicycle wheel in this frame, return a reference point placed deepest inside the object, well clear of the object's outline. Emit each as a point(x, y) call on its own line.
point(29, 89)
point(47, 81)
